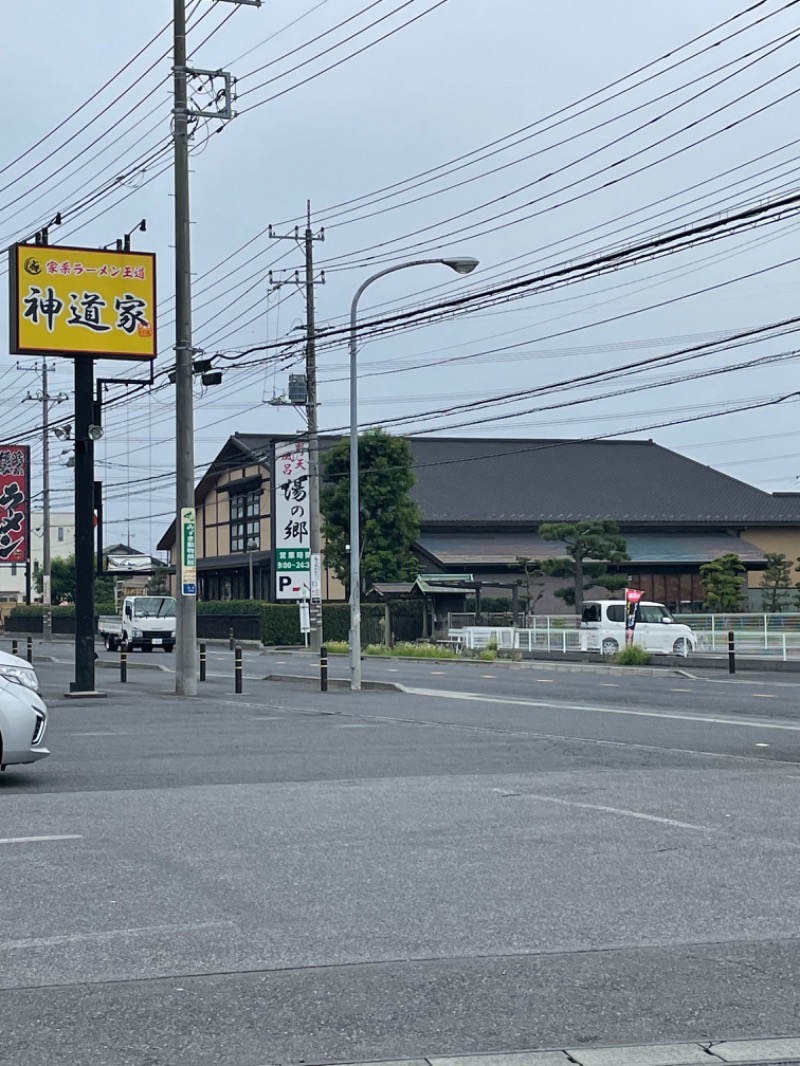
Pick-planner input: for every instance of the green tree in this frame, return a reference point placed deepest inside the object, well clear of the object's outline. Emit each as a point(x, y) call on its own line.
point(776, 582)
point(592, 547)
point(389, 518)
point(63, 583)
point(722, 583)
point(532, 581)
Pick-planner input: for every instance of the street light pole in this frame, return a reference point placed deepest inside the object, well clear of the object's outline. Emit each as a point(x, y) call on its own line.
point(462, 265)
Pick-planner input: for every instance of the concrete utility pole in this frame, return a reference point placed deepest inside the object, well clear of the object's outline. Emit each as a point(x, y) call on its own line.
point(311, 405)
point(315, 519)
point(47, 600)
point(221, 108)
point(186, 636)
point(46, 399)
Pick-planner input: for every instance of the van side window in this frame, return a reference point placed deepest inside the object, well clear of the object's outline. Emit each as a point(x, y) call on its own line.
point(591, 613)
point(616, 612)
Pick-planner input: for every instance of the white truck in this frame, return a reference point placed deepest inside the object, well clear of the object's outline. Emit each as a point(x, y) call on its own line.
point(146, 622)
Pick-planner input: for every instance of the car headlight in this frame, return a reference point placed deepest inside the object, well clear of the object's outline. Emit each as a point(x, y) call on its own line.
point(20, 675)
point(136, 633)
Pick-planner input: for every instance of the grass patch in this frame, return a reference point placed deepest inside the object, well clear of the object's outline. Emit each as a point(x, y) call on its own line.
point(631, 655)
point(337, 647)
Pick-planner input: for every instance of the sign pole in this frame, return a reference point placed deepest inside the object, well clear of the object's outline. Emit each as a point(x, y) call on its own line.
point(84, 528)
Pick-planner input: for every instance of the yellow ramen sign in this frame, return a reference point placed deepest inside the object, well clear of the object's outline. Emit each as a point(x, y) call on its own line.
point(81, 301)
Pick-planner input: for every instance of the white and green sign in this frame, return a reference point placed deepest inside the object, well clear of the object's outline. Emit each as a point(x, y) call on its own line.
point(188, 551)
point(291, 521)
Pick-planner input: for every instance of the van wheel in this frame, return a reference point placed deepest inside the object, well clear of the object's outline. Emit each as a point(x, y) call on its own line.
point(110, 643)
point(610, 646)
point(681, 647)
point(168, 648)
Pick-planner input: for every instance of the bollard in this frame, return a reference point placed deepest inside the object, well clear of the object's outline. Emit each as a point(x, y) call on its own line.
point(30, 649)
point(237, 669)
point(202, 662)
point(231, 638)
point(731, 653)
point(123, 663)
point(14, 647)
point(323, 668)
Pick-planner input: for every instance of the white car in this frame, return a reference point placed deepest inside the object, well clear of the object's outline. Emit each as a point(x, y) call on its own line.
point(23, 715)
point(656, 630)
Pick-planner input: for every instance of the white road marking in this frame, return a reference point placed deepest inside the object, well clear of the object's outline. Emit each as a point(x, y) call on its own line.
point(110, 934)
point(489, 675)
point(764, 696)
point(762, 745)
point(680, 690)
point(36, 840)
point(613, 810)
point(97, 734)
point(268, 718)
point(558, 706)
point(608, 684)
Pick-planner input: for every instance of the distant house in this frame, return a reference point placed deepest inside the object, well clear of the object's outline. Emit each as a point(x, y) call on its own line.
point(482, 501)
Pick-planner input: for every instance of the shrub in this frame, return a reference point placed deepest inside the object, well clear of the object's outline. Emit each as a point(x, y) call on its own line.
point(488, 655)
point(337, 647)
point(631, 655)
point(377, 649)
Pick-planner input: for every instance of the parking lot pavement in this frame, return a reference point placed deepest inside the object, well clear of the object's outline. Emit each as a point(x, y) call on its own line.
point(289, 876)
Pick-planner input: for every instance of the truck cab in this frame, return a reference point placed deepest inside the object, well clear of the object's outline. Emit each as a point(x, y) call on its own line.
point(147, 622)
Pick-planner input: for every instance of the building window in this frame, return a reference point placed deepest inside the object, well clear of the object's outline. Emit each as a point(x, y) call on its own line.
point(13, 569)
point(245, 521)
point(60, 534)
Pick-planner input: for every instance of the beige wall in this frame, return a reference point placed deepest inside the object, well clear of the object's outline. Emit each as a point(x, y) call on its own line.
point(786, 541)
point(213, 523)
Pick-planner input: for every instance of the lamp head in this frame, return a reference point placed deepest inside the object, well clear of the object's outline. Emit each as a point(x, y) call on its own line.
point(462, 264)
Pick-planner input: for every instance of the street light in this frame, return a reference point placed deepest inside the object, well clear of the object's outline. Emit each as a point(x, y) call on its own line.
point(461, 265)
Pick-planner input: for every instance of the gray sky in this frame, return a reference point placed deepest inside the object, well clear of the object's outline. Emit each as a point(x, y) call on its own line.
point(462, 76)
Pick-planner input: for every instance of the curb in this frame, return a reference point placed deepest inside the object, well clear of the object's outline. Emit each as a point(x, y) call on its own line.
point(780, 1050)
point(334, 682)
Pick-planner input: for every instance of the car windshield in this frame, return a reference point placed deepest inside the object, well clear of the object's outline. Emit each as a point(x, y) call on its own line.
point(654, 612)
point(154, 607)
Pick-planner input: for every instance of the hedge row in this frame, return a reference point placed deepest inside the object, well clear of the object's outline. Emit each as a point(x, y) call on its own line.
point(279, 622)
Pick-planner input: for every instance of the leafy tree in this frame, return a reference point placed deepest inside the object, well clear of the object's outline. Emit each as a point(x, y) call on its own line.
point(776, 582)
point(63, 582)
point(722, 583)
point(532, 581)
point(592, 547)
point(389, 518)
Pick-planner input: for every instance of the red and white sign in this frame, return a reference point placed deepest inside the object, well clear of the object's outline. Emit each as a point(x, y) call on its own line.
point(15, 506)
point(633, 595)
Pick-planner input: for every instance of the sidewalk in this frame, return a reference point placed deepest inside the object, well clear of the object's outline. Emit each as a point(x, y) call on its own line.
point(779, 1051)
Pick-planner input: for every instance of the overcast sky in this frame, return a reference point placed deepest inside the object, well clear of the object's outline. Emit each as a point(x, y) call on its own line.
point(661, 149)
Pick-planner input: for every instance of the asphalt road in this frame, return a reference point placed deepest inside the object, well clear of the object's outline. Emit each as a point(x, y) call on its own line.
point(495, 858)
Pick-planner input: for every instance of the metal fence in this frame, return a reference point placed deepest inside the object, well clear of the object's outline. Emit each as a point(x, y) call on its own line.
point(756, 636)
point(771, 636)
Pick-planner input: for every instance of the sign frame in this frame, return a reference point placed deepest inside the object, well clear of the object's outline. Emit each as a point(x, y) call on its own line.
point(188, 552)
point(50, 344)
point(295, 511)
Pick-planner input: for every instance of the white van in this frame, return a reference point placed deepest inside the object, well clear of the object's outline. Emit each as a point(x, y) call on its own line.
point(656, 630)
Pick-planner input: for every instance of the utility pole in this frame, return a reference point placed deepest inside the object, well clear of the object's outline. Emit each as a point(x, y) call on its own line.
point(186, 636)
point(221, 107)
point(311, 405)
point(46, 398)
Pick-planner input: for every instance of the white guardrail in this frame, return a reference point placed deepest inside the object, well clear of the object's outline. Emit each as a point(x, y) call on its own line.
point(761, 636)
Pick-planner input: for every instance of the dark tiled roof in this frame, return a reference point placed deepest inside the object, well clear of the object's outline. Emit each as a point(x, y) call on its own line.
point(501, 549)
point(497, 481)
point(533, 481)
